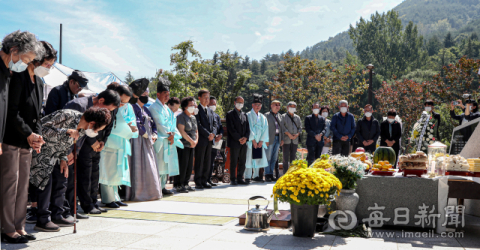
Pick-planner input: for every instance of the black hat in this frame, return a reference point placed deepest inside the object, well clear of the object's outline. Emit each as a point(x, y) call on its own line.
point(257, 98)
point(163, 84)
point(139, 86)
point(79, 77)
point(429, 102)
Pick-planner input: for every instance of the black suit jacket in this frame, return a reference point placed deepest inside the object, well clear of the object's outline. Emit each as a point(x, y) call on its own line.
point(219, 124)
point(58, 97)
point(24, 109)
point(206, 126)
point(313, 129)
point(385, 133)
point(4, 83)
point(237, 127)
point(364, 132)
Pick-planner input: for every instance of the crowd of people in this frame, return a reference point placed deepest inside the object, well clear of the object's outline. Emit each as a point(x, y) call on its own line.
point(117, 140)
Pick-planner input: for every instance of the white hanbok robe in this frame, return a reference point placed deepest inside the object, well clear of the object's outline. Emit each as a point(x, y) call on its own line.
point(258, 132)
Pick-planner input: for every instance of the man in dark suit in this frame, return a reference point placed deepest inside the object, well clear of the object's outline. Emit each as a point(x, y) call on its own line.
point(60, 95)
point(207, 130)
point(368, 130)
point(315, 128)
point(391, 132)
point(213, 106)
point(238, 131)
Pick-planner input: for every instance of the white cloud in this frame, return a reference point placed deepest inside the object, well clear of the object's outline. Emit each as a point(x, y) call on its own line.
point(276, 21)
point(273, 30)
point(315, 9)
point(107, 42)
point(258, 33)
point(275, 6)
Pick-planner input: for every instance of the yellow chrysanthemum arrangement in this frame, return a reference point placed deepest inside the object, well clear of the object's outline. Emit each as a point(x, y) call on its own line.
point(302, 185)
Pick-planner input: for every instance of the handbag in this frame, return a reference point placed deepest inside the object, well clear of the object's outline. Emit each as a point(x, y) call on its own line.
point(300, 130)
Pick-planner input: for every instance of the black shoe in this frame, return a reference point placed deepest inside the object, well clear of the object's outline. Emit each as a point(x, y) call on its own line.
point(182, 190)
point(112, 205)
point(32, 216)
point(71, 219)
point(103, 210)
point(94, 211)
point(242, 182)
point(258, 179)
point(233, 183)
point(30, 237)
point(206, 185)
point(122, 204)
point(82, 216)
point(166, 192)
point(48, 227)
point(188, 188)
point(268, 178)
point(274, 178)
point(212, 184)
point(63, 223)
point(19, 240)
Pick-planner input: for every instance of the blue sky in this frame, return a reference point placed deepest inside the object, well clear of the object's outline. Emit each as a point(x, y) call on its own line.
point(137, 36)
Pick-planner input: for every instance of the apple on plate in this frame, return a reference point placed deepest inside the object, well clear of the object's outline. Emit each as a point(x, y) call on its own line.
point(360, 149)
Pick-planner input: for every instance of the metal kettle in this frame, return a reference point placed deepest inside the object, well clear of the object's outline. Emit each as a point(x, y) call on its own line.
point(258, 219)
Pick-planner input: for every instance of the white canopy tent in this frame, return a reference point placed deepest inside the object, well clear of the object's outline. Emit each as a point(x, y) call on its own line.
point(97, 82)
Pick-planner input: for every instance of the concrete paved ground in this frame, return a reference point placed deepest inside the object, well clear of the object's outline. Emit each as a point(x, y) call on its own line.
point(108, 233)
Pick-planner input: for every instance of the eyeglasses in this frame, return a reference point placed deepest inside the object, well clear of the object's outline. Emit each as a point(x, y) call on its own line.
point(276, 104)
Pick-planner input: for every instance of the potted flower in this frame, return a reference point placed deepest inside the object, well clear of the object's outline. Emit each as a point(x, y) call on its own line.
point(348, 170)
point(305, 189)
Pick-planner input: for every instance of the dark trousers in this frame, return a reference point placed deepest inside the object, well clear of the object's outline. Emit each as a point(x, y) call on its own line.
point(185, 157)
point(238, 156)
point(70, 198)
point(341, 147)
point(371, 148)
point(51, 198)
point(289, 155)
point(314, 152)
point(277, 172)
point(212, 164)
point(202, 163)
point(88, 175)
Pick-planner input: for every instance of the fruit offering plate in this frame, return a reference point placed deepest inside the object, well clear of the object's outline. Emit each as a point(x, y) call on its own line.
point(416, 172)
point(383, 173)
point(457, 173)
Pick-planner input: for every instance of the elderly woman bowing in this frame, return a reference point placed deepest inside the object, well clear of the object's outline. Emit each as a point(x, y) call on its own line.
point(18, 50)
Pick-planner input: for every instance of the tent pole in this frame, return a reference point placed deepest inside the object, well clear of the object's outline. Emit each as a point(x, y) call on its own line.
point(60, 59)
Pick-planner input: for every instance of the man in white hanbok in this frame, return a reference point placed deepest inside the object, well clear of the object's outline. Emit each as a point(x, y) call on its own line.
point(168, 135)
point(257, 143)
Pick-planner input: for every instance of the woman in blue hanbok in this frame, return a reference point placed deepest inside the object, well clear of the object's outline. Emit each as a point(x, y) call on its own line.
point(114, 170)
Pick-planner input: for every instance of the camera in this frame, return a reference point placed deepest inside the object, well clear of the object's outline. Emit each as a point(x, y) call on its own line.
point(468, 98)
point(455, 103)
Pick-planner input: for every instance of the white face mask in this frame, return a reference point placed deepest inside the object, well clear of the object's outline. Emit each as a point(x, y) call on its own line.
point(316, 111)
point(292, 110)
point(368, 114)
point(18, 67)
point(213, 108)
point(90, 132)
point(325, 114)
point(428, 109)
point(195, 111)
point(41, 71)
point(343, 109)
point(191, 109)
point(390, 120)
point(239, 105)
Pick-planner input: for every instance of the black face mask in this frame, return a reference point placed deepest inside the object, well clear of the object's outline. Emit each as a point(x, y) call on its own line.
point(143, 99)
point(133, 100)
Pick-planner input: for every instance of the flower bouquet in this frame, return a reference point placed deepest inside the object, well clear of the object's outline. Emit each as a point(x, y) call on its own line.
point(423, 132)
point(348, 170)
point(305, 189)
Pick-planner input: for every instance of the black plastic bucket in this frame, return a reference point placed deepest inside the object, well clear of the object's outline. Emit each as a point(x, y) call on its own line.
point(304, 220)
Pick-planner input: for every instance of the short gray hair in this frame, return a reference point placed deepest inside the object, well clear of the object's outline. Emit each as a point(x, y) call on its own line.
point(24, 41)
point(342, 101)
